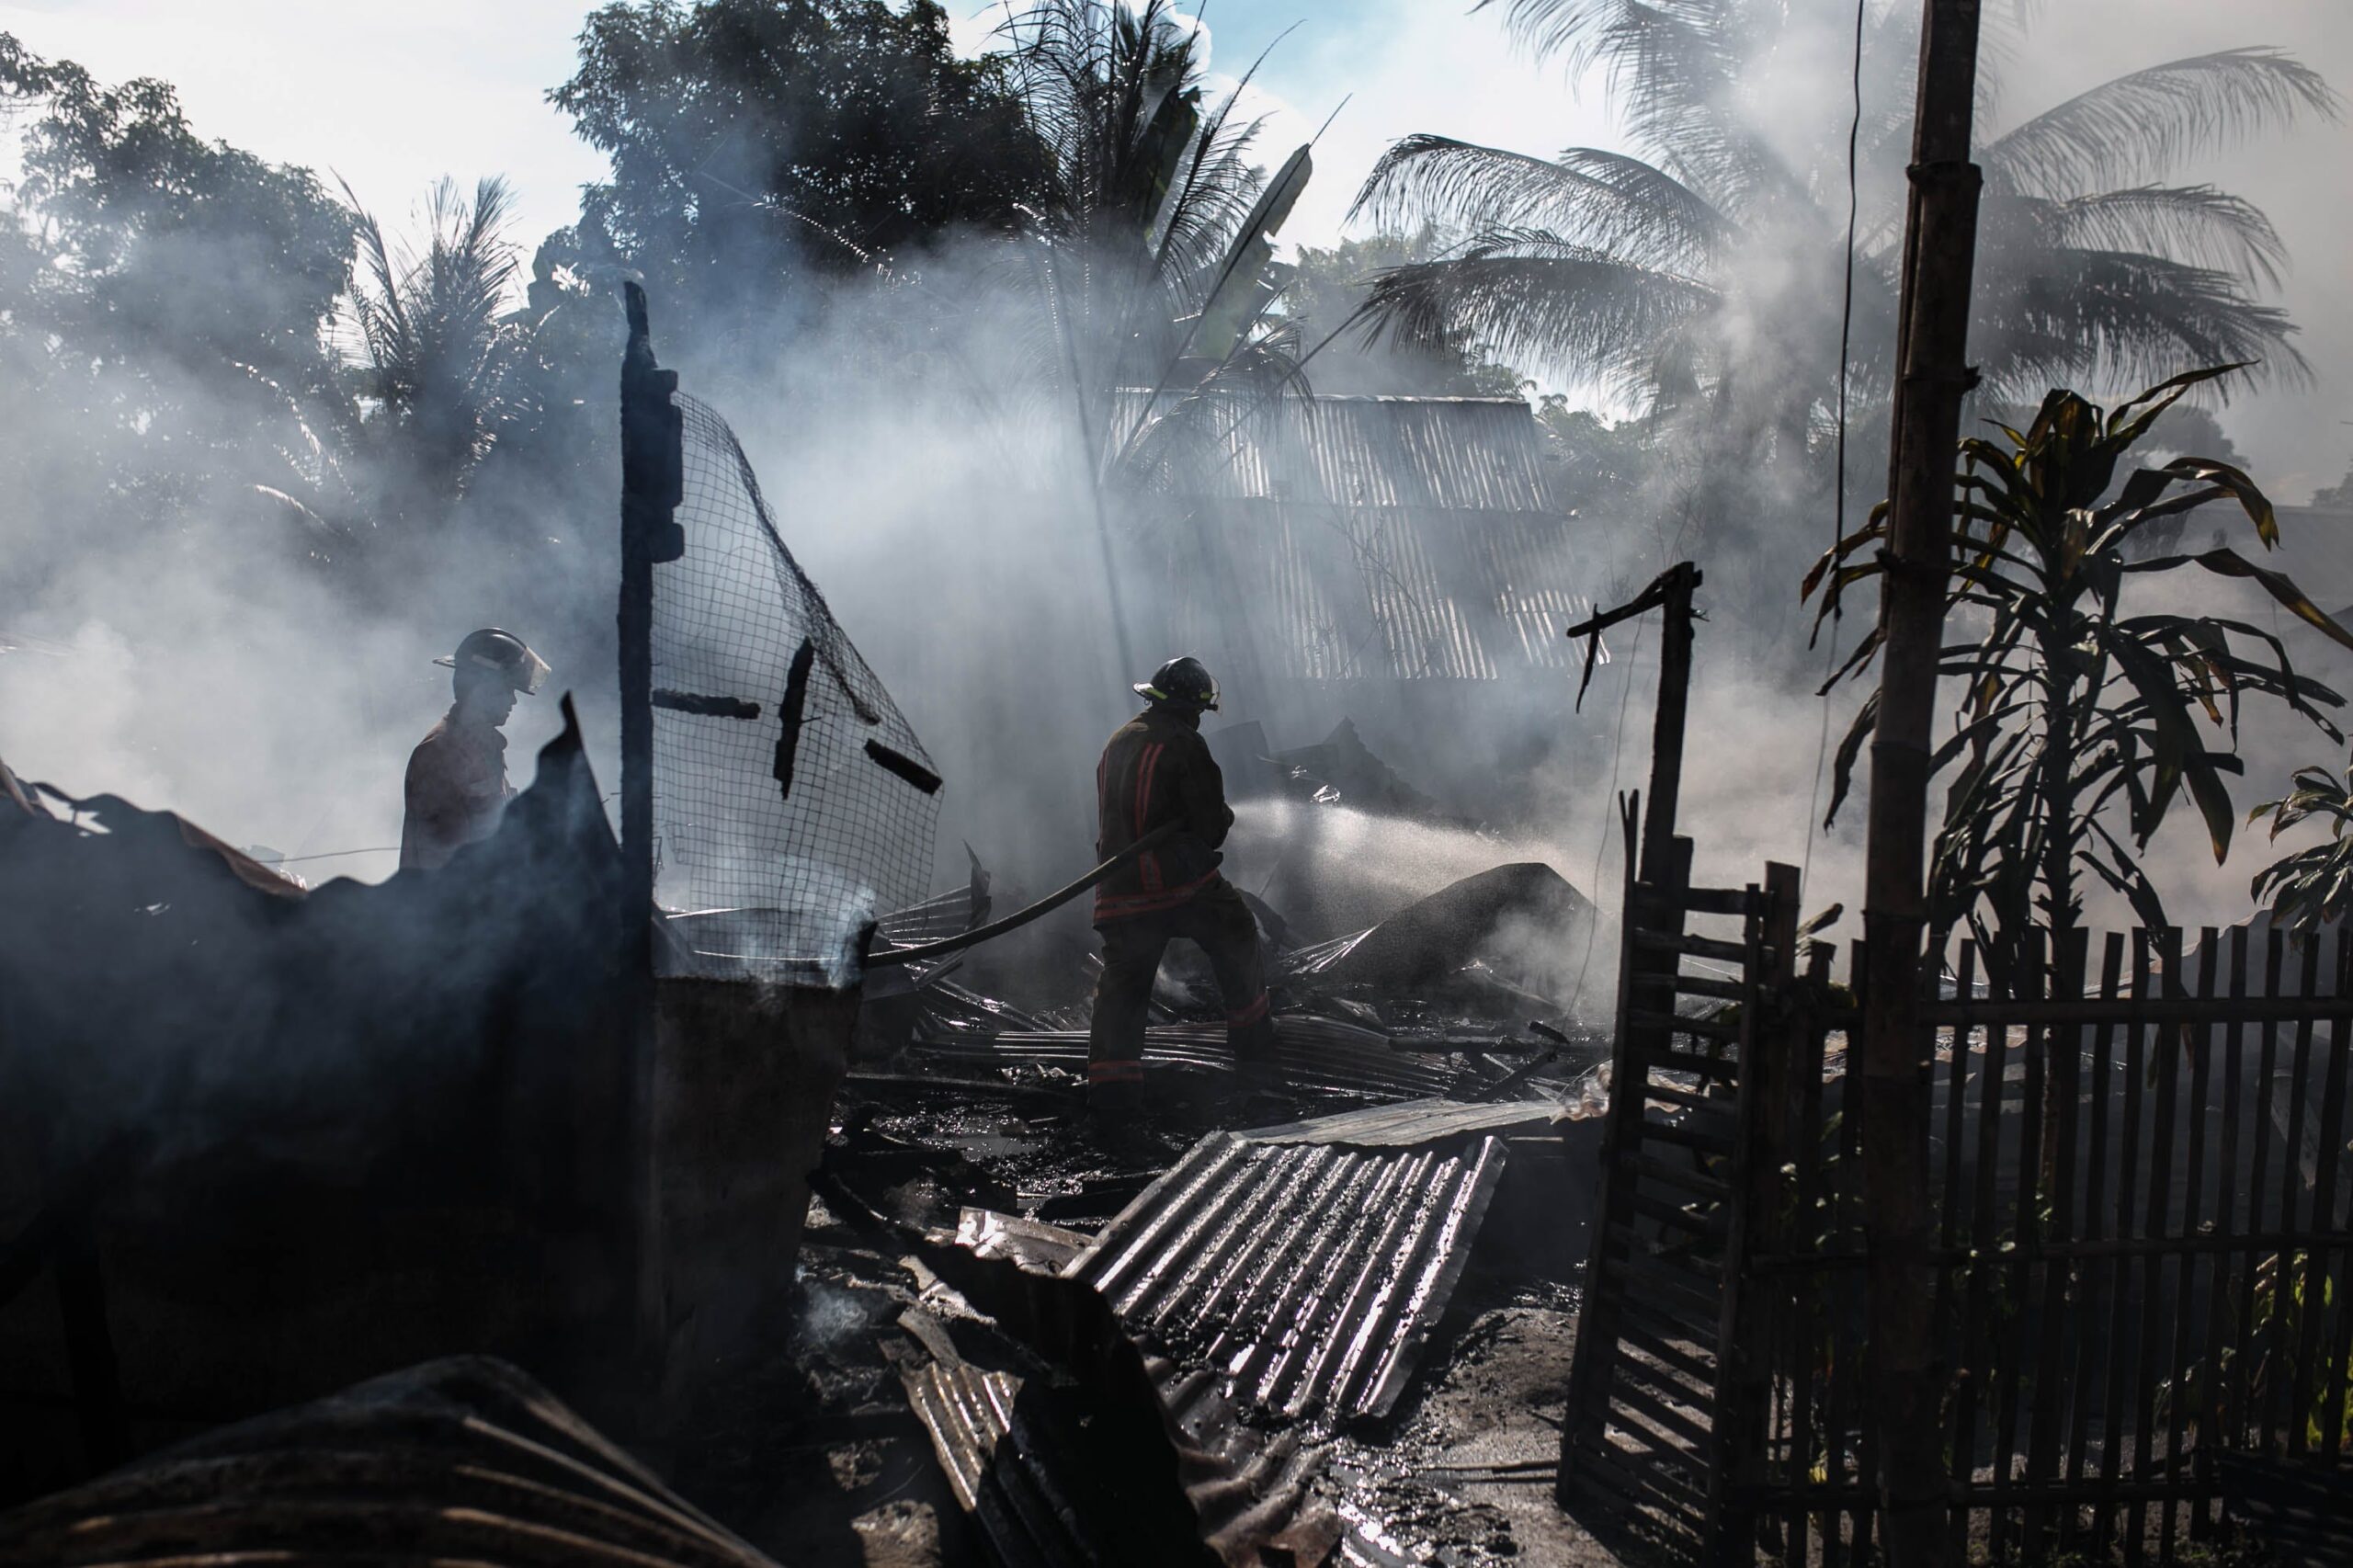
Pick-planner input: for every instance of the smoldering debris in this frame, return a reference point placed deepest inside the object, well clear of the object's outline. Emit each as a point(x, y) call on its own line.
point(1252, 1295)
point(961, 1382)
point(1429, 1000)
point(1258, 1295)
point(1497, 928)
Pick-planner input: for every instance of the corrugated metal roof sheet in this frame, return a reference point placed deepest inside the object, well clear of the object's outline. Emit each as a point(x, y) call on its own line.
point(1309, 1275)
point(1393, 538)
point(465, 1460)
point(1370, 592)
point(1414, 1122)
point(1453, 454)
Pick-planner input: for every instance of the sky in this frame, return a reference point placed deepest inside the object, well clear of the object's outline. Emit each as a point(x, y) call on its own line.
point(324, 85)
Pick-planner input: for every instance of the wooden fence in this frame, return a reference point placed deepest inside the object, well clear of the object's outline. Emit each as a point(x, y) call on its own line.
point(2143, 1198)
point(1660, 1438)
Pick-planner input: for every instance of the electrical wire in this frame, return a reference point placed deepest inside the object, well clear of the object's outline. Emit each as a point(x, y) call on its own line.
point(333, 855)
point(1838, 498)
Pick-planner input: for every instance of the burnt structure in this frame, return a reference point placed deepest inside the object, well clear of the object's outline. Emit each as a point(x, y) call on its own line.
point(265, 1141)
point(555, 1101)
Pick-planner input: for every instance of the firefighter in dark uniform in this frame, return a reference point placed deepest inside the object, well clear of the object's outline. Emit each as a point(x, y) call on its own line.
point(1157, 770)
point(456, 788)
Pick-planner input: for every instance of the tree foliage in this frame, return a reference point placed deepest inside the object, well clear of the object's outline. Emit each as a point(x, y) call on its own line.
point(1323, 297)
point(440, 348)
point(167, 295)
point(2313, 886)
point(1673, 268)
point(2079, 725)
point(748, 137)
point(194, 315)
point(1151, 261)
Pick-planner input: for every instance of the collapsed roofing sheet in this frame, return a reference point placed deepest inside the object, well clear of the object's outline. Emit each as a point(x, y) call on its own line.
point(462, 1460)
point(1033, 1482)
point(1308, 1273)
point(1414, 1122)
point(1022, 1470)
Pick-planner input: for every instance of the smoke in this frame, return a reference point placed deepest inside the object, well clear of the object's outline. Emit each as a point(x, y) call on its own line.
point(243, 691)
point(919, 444)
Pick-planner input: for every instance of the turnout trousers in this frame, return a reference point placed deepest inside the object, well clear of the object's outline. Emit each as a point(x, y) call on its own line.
point(1220, 922)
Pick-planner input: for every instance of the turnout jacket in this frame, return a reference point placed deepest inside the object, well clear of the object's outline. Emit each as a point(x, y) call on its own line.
point(455, 791)
point(1157, 770)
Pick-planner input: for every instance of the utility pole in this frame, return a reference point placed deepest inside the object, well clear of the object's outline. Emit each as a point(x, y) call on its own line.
point(1932, 376)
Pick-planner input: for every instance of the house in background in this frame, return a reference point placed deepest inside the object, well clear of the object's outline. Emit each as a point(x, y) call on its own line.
point(1401, 561)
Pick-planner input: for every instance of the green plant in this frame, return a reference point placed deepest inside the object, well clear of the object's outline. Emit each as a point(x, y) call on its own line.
point(2265, 1381)
point(2075, 706)
point(439, 348)
point(2312, 887)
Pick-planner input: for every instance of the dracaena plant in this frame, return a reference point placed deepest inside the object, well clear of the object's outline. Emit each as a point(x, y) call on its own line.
point(2080, 722)
point(2312, 887)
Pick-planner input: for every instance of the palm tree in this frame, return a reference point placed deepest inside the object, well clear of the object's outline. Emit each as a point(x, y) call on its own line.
point(1692, 268)
point(1151, 248)
point(439, 346)
point(1149, 256)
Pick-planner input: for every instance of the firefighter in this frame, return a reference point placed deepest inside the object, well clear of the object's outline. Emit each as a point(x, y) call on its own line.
point(457, 787)
point(1157, 770)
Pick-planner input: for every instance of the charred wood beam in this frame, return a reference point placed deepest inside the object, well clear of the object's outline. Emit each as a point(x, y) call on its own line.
point(906, 766)
point(706, 707)
point(796, 703)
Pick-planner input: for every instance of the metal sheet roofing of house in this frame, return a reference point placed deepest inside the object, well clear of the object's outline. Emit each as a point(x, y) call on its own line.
point(1309, 1275)
point(1451, 454)
point(1389, 539)
point(1414, 1122)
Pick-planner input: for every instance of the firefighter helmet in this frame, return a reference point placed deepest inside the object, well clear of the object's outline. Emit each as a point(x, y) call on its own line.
point(1184, 682)
point(502, 654)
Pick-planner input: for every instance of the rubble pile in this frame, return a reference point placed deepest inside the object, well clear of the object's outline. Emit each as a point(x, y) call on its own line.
point(1227, 1330)
point(1423, 1003)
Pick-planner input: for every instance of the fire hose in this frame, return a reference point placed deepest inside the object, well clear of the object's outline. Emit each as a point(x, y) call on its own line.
point(1013, 922)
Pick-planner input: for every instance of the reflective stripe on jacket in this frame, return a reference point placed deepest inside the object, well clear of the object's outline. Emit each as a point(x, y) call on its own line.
point(1157, 770)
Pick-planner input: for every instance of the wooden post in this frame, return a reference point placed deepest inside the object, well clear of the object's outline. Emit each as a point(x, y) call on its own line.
point(653, 483)
point(1674, 700)
point(1670, 592)
point(1940, 234)
point(1770, 1026)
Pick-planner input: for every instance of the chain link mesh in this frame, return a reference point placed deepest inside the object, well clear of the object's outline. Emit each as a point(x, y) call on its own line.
point(793, 803)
